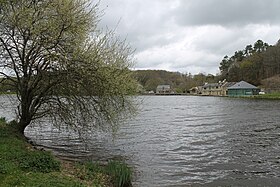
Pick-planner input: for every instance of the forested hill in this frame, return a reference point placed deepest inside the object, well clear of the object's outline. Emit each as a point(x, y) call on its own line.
point(256, 64)
point(180, 82)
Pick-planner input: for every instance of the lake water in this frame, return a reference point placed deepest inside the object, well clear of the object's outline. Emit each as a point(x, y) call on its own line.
point(182, 141)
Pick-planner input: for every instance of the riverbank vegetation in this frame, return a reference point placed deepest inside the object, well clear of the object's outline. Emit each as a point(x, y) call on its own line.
point(23, 165)
point(271, 96)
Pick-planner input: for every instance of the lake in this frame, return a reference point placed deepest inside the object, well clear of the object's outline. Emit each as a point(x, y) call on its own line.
point(181, 141)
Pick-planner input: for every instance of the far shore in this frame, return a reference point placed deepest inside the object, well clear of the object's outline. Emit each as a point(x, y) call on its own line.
point(273, 96)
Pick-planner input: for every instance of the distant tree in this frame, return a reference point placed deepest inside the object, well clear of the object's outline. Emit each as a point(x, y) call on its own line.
point(271, 59)
point(201, 78)
point(150, 79)
point(61, 65)
point(152, 84)
point(248, 71)
point(224, 65)
point(248, 50)
point(239, 56)
point(260, 46)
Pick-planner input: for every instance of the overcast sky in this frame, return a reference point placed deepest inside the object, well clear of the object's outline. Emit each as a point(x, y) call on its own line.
point(191, 35)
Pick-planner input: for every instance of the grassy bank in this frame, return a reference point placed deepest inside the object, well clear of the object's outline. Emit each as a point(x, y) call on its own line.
point(273, 96)
point(22, 165)
point(268, 96)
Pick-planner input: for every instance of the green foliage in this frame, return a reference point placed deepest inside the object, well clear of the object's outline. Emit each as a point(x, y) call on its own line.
point(6, 167)
point(246, 64)
point(14, 149)
point(39, 162)
point(120, 172)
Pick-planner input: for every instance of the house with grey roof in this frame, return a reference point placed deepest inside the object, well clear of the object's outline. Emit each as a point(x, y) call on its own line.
point(242, 88)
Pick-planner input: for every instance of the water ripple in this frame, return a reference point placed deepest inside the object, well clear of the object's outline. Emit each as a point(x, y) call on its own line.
point(185, 141)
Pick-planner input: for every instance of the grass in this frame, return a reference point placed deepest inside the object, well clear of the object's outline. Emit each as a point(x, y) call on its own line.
point(21, 165)
point(268, 96)
point(120, 174)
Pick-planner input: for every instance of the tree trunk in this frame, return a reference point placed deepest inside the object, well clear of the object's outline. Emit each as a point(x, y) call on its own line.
point(23, 123)
point(25, 116)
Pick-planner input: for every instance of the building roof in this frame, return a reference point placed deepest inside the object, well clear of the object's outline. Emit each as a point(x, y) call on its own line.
point(242, 85)
point(228, 84)
point(210, 85)
point(163, 87)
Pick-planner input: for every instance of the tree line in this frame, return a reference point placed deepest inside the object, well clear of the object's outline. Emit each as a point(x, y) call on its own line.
point(253, 64)
point(179, 82)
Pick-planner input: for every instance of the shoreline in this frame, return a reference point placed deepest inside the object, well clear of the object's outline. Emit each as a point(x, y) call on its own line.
point(32, 166)
point(275, 96)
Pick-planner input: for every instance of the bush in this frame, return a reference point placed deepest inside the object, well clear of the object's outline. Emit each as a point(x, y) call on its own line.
point(39, 162)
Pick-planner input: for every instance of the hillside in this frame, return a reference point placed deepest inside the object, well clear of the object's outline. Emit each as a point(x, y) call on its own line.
point(179, 82)
point(255, 64)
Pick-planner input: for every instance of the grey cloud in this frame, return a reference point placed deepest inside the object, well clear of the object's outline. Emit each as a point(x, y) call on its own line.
point(144, 23)
point(227, 12)
point(190, 35)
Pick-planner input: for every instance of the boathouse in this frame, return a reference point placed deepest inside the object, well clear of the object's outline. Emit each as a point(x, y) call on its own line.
point(243, 88)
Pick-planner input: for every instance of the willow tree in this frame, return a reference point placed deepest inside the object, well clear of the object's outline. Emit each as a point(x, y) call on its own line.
point(61, 65)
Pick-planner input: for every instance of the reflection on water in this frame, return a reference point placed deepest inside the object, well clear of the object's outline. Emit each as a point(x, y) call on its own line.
point(181, 141)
